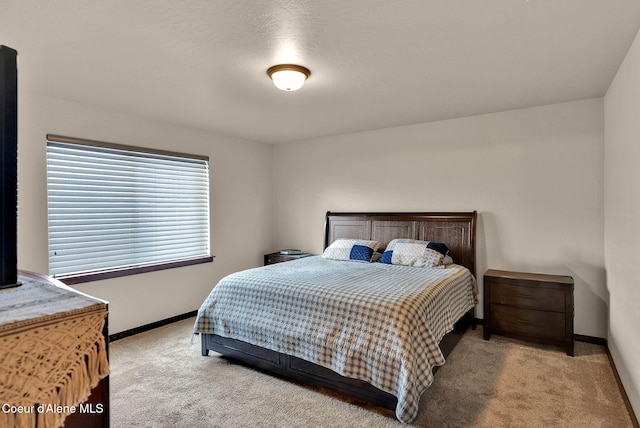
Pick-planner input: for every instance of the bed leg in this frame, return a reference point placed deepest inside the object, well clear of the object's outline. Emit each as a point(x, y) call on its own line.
point(472, 314)
point(203, 346)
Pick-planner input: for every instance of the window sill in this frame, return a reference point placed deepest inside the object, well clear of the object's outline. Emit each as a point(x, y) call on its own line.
point(116, 273)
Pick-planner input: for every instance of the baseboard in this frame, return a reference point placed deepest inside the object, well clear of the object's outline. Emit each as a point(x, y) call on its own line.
point(579, 337)
point(591, 339)
point(151, 326)
point(625, 398)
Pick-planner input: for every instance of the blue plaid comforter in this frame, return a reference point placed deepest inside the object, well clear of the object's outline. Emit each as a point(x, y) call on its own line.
point(371, 321)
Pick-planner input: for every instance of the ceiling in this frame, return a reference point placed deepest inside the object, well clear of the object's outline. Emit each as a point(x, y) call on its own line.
point(374, 63)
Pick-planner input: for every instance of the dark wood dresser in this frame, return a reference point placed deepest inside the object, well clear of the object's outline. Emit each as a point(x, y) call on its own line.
point(276, 257)
point(527, 306)
point(57, 338)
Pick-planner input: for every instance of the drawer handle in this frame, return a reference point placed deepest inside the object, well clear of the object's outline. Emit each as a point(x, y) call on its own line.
point(525, 321)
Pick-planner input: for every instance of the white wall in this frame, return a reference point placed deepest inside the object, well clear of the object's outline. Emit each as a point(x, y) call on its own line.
point(241, 204)
point(622, 214)
point(534, 176)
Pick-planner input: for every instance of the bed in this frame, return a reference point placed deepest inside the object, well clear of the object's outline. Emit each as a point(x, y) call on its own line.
point(375, 331)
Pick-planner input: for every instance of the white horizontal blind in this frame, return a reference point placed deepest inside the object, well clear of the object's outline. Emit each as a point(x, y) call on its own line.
point(112, 208)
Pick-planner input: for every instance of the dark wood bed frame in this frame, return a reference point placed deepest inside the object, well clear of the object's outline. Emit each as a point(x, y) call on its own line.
point(456, 229)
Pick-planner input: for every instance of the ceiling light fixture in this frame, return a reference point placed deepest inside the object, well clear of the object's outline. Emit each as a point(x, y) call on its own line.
point(288, 77)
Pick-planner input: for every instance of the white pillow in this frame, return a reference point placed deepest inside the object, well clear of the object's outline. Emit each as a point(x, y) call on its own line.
point(428, 261)
point(356, 250)
point(415, 254)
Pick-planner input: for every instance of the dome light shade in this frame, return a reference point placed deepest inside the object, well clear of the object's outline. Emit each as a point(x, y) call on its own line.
point(288, 77)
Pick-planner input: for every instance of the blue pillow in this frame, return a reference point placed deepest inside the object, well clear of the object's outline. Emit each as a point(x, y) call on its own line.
point(439, 247)
point(386, 257)
point(361, 253)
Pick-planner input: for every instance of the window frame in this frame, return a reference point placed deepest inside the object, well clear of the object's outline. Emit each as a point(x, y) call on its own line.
point(107, 273)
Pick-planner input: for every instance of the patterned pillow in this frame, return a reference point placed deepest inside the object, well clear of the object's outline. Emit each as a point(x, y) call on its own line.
point(413, 252)
point(356, 250)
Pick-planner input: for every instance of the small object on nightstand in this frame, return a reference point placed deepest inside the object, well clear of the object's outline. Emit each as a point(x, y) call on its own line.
point(290, 252)
point(527, 306)
point(279, 257)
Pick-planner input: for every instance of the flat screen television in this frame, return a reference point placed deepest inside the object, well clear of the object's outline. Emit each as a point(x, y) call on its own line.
point(8, 167)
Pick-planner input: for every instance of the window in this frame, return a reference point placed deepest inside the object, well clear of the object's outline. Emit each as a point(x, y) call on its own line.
point(118, 210)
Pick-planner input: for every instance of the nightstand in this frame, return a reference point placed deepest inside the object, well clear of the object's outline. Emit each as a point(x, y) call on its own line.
point(526, 306)
point(276, 257)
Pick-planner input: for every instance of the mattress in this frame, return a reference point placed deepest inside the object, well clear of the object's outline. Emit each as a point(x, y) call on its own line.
point(375, 322)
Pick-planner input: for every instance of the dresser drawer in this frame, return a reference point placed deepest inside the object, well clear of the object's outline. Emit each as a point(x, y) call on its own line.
point(528, 321)
point(548, 299)
point(276, 258)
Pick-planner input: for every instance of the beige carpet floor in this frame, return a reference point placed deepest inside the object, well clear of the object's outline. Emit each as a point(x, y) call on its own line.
point(159, 380)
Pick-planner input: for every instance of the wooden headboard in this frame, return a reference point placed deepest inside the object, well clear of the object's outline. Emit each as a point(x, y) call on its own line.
point(456, 229)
